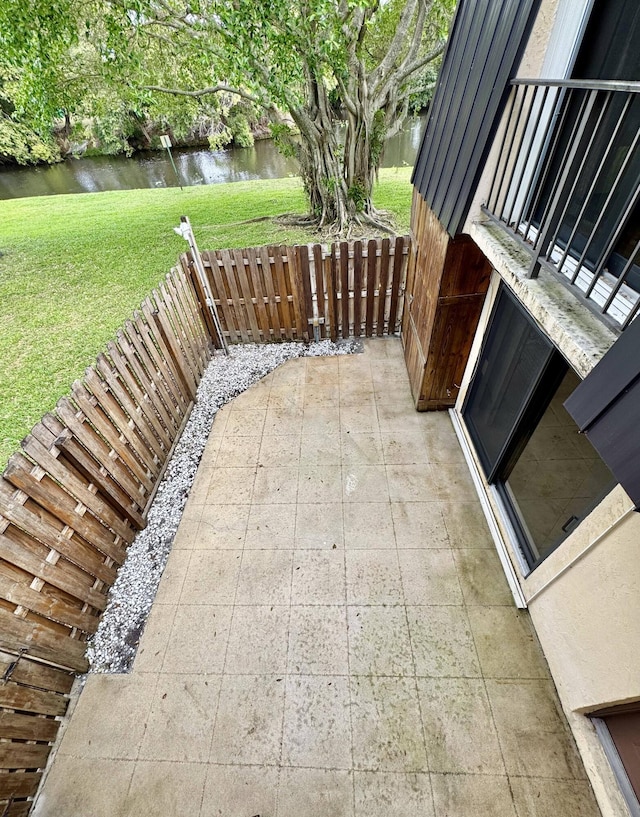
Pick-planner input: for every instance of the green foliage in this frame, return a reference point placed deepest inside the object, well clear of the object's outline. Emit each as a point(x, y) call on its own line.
point(238, 123)
point(359, 195)
point(220, 138)
point(73, 268)
point(19, 143)
point(284, 139)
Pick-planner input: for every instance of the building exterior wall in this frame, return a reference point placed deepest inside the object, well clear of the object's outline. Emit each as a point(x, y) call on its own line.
point(583, 599)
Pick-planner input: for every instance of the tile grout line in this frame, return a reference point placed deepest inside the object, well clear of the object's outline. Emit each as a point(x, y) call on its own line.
point(226, 651)
point(346, 599)
point(413, 658)
point(280, 765)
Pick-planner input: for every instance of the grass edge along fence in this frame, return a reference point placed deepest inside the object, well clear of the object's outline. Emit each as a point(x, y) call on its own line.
point(77, 492)
point(71, 501)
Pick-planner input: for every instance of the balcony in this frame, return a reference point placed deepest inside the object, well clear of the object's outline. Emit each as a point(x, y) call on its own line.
point(566, 185)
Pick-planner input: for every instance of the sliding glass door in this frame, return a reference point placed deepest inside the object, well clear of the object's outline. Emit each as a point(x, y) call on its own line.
point(548, 475)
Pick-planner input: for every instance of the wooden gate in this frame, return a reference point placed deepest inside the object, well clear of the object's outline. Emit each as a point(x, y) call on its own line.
point(347, 289)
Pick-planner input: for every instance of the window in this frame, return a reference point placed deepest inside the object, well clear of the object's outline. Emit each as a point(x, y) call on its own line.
point(548, 475)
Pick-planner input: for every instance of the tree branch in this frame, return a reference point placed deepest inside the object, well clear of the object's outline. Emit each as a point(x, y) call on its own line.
point(213, 89)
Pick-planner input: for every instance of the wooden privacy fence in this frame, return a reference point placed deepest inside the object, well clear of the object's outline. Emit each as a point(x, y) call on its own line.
point(71, 501)
point(351, 289)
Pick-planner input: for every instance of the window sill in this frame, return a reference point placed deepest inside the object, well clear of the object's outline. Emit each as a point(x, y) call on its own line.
point(573, 329)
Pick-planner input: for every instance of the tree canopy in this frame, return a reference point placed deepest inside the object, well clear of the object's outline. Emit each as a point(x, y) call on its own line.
point(334, 77)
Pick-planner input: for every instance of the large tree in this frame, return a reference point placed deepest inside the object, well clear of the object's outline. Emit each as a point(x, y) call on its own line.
point(334, 76)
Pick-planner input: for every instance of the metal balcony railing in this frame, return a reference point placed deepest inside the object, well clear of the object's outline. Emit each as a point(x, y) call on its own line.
point(567, 186)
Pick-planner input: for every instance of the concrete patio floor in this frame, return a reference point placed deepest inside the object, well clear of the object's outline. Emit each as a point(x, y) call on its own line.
point(333, 635)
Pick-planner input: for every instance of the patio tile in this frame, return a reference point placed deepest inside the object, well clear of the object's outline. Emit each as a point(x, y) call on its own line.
point(271, 527)
point(535, 741)
point(380, 794)
point(373, 577)
point(235, 452)
point(78, 786)
point(318, 577)
point(405, 448)
point(181, 718)
point(320, 449)
point(457, 718)
point(173, 577)
point(239, 791)
point(211, 578)
point(280, 450)
point(275, 486)
point(365, 483)
point(535, 797)
point(357, 392)
point(222, 527)
point(155, 638)
point(463, 795)
point(323, 419)
point(481, 578)
point(319, 525)
point(318, 640)
point(368, 525)
point(265, 577)
point(231, 486)
point(110, 717)
point(379, 641)
point(249, 720)
point(200, 487)
point(429, 577)
point(411, 483)
point(258, 640)
point(361, 449)
point(396, 416)
point(442, 642)
point(320, 483)
point(254, 397)
point(360, 419)
point(322, 394)
point(283, 419)
point(387, 730)
point(419, 525)
point(158, 789)
point(465, 523)
point(286, 396)
point(317, 731)
point(187, 534)
point(315, 793)
point(321, 371)
point(245, 422)
point(507, 646)
point(452, 480)
point(198, 639)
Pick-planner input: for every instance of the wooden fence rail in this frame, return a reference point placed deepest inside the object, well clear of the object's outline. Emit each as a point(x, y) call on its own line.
point(350, 289)
point(71, 501)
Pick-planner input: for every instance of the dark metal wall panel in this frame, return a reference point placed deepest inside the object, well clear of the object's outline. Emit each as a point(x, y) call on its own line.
point(606, 407)
point(486, 44)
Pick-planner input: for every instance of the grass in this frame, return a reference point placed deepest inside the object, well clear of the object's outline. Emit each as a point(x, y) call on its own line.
point(74, 267)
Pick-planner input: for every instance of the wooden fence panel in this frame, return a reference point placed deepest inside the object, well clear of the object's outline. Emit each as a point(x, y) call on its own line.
point(275, 293)
point(71, 502)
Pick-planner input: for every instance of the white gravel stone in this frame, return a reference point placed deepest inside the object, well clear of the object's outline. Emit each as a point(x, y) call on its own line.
point(113, 647)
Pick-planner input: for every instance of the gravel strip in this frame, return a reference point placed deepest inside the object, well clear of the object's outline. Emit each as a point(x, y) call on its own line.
point(113, 647)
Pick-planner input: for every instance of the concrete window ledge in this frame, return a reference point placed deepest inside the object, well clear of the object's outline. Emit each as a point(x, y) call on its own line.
point(575, 331)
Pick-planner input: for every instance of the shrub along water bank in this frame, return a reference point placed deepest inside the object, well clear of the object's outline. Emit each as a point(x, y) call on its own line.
point(74, 267)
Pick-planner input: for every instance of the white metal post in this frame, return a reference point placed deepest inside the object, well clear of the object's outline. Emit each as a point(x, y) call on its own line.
point(186, 232)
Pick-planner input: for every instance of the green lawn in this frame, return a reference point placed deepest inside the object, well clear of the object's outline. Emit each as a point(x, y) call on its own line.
point(74, 267)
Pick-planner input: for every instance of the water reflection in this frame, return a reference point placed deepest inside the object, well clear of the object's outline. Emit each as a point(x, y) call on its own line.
point(195, 166)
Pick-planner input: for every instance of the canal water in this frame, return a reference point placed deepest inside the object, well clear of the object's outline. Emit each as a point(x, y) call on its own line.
point(195, 166)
